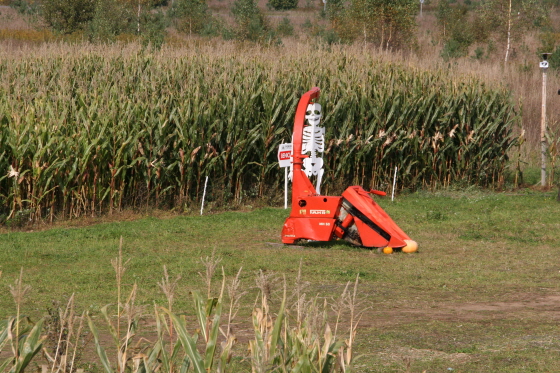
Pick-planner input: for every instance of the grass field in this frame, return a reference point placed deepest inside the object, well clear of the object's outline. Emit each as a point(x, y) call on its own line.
point(482, 294)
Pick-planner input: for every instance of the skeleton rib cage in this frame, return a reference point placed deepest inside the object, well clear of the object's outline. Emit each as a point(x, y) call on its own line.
point(313, 143)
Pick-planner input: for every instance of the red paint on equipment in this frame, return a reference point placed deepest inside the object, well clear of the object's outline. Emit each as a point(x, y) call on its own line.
point(354, 216)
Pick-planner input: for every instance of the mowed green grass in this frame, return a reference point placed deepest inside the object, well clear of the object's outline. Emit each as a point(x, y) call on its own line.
point(482, 294)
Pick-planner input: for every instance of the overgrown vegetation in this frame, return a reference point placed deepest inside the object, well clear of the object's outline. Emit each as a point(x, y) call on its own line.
point(250, 22)
point(190, 16)
point(287, 339)
point(389, 25)
point(282, 4)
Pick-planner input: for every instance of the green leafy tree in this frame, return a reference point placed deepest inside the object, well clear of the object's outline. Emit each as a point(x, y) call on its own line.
point(190, 16)
point(111, 18)
point(455, 28)
point(282, 4)
point(334, 10)
point(508, 20)
point(444, 16)
point(390, 23)
point(68, 16)
point(138, 9)
point(250, 22)
point(154, 32)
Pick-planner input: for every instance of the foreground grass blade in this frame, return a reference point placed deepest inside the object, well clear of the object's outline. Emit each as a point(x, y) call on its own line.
point(189, 344)
point(100, 350)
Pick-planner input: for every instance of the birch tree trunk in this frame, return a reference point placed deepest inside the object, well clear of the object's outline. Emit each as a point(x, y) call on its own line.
point(508, 46)
point(139, 10)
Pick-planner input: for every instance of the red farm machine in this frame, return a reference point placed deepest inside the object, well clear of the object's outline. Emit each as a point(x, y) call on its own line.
point(354, 216)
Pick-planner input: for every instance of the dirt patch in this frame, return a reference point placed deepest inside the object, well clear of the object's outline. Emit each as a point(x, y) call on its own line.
point(531, 303)
point(526, 305)
point(405, 355)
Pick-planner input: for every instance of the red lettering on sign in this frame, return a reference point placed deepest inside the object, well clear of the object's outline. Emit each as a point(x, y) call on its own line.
point(285, 155)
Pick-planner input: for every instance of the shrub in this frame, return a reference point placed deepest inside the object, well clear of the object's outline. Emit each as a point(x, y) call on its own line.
point(154, 29)
point(25, 7)
point(251, 23)
point(282, 4)
point(68, 16)
point(190, 16)
point(111, 18)
point(307, 24)
point(285, 27)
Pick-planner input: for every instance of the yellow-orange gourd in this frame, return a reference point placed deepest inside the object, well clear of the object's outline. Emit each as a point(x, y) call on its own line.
point(387, 250)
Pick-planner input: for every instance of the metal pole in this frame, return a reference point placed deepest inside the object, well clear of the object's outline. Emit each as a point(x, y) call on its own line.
point(285, 187)
point(203, 195)
point(394, 183)
point(543, 130)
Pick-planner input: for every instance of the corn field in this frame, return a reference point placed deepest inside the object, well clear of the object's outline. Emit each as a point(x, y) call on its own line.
point(85, 130)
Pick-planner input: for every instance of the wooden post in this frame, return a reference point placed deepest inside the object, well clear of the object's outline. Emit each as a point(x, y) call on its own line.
point(544, 66)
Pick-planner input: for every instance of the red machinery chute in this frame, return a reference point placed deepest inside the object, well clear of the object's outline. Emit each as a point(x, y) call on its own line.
point(354, 216)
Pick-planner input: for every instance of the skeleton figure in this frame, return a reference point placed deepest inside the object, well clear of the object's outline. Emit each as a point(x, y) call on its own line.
point(313, 143)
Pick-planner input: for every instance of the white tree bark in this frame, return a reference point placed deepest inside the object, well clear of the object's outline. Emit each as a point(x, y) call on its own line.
point(508, 46)
point(139, 11)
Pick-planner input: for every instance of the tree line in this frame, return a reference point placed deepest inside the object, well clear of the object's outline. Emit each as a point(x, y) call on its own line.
point(463, 25)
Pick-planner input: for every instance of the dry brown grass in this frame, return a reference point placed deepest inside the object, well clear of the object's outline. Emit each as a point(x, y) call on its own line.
point(11, 20)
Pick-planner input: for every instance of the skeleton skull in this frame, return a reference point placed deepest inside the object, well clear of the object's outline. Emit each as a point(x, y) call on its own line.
point(313, 114)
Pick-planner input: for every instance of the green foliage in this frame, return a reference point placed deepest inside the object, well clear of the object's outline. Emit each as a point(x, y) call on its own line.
point(285, 27)
point(455, 28)
point(282, 4)
point(334, 10)
point(506, 21)
point(154, 25)
point(454, 49)
point(68, 16)
point(444, 16)
point(25, 340)
point(326, 35)
point(307, 25)
point(190, 16)
point(26, 7)
point(111, 18)
point(390, 24)
point(214, 27)
point(251, 23)
point(525, 15)
point(135, 136)
point(478, 53)
point(548, 40)
point(103, 20)
point(554, 59)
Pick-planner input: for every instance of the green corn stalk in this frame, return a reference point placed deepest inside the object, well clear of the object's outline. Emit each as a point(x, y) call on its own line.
point(96, 132)
point(208, 313)
point(28, 345)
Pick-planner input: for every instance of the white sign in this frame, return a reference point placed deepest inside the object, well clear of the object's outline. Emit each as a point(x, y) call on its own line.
point(285, 155)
